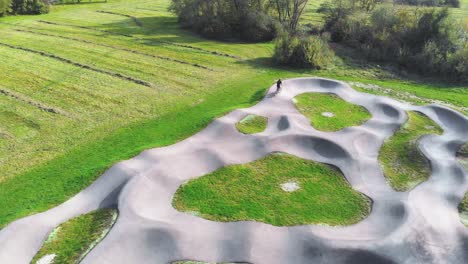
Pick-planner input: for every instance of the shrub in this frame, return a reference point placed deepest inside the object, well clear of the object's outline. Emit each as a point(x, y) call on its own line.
point(425, 40)
point(4, 7)
point(453, 3)
point(257, 26)
point(29, 7)
point(310, 52)
point(250, 20)
point(246, 20)
point(459, 62)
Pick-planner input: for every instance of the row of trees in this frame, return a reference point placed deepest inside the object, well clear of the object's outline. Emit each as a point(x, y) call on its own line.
point(426, 40)
point(23, 7)
point(421, 39)
point(257, 20)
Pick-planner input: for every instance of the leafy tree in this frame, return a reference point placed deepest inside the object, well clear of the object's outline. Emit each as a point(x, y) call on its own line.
point(303, 52)
point(251, 20)
point(4, 7)
point(224, 19)
point(289, 12)
point(29, 7)
point(425, 40)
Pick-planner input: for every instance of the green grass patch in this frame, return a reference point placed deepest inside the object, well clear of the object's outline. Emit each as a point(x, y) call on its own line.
point(252, 124)
point(341, 114)
point(253, 192)
point(462, 155)
point(72, 240)
point(403, 163)
point(463, 209)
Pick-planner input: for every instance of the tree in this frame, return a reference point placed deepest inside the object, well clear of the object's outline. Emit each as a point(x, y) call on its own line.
point(289, 12)
point(225, 19)
point(4, 7)
point(29, 7)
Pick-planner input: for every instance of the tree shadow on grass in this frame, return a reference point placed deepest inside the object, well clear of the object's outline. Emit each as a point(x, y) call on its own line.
point(163, 29)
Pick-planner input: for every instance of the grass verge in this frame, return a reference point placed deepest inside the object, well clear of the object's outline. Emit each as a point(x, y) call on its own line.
point(403, 163)
point(463, 209)
point(462, 155)
point(72, 240)
point(252, 124)
point(253, 192)
point(328, 112)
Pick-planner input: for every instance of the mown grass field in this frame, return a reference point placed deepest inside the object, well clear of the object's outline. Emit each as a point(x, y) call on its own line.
point(311, 15)
point(81, 89)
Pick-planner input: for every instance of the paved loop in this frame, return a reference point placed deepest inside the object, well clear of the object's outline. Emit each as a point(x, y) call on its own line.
point(419, 226)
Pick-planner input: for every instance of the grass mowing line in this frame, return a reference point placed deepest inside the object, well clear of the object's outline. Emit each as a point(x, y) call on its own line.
point(84, 27)
point(29, 101)
point(117, 48)
point(136, 20)
point(328, 112)
point(149, 9)
point(130, 36)
point(71, 241)
point(253, 191)
point(52, 56)
point(404, 165)
point(252, 124)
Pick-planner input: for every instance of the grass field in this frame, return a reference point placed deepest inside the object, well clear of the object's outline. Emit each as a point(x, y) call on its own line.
point(328, 112)
point(72, 240)
point(252, 124)
point(253, 192)
point(82, 89)
point(403, 163)
point(311, 15)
